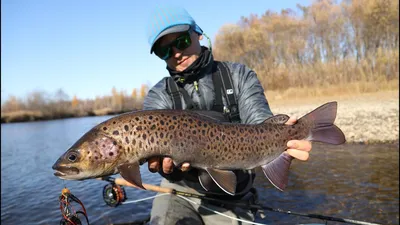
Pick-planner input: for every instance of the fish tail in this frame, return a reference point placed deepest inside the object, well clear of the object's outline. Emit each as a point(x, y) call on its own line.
point(277, 171)
point(324, 130)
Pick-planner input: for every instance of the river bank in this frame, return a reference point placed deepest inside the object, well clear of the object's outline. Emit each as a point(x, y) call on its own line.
point(363, 118)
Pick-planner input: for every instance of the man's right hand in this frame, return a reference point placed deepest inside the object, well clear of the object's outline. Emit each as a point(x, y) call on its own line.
point(166, 164)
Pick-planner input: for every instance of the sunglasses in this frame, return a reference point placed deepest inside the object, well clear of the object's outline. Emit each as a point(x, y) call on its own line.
point(182, 42)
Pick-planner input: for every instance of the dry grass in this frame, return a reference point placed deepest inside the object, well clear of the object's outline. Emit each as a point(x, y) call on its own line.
point(21, 116)
point(340, 92)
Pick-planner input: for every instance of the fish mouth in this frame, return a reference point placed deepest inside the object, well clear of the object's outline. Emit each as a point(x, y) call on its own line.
point(62, 171)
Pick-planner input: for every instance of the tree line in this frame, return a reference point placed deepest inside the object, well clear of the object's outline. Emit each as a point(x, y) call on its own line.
point(323, 44)
point(40, 105)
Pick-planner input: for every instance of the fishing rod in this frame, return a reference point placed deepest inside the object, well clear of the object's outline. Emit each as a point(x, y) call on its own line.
point(118, 182)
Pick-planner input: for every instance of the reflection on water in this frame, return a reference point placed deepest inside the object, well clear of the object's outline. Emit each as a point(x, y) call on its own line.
point(360, 182)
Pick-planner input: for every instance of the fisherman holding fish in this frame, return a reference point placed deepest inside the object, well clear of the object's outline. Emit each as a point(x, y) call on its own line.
point(204, 128)
point(175, 38)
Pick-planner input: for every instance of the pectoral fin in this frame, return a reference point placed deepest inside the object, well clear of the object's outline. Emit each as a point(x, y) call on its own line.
point(225, 179)
point(131, 173)
point(277, 171)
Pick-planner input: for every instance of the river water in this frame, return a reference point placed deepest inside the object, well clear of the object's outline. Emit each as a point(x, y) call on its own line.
point(359, 182)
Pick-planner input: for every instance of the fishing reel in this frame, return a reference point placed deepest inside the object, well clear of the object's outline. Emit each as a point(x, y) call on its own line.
point(70, 216)
point(113, 194)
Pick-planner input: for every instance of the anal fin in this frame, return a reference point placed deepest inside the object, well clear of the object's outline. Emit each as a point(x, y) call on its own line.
point(277, 171)
point(225, 179)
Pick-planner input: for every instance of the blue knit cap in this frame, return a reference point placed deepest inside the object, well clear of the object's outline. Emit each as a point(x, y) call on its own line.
point(169, 19)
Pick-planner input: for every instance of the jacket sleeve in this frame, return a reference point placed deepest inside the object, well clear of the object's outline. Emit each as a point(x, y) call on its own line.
point(252, 103)
point(157, 97)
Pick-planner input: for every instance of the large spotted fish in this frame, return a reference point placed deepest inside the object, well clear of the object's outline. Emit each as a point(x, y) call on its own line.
point(122, 143)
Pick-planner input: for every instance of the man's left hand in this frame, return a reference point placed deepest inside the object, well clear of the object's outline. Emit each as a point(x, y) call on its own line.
point(299, 149)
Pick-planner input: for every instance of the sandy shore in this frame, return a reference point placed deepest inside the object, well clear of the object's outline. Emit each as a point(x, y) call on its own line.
point(366, 118)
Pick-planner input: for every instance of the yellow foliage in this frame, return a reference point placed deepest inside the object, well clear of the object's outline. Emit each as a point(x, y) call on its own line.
point(74, 102)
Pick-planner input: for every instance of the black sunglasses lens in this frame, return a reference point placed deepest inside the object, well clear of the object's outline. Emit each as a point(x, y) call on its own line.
point(163, 52)
point(183, 42)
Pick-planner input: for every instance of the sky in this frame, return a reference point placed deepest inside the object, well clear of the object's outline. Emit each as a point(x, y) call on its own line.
point(88, 47)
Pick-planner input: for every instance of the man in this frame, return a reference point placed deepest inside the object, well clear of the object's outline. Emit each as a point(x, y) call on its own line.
point(175, 38)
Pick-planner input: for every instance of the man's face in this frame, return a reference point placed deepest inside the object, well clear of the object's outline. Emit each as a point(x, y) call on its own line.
point(182, 59)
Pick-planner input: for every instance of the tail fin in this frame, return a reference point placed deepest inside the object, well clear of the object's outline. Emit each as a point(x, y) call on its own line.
point(324, 130)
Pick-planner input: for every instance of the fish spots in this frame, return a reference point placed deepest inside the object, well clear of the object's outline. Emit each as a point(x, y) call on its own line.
point(115, 132)
point(203, 132)
point(104, 128)
point(114, 143)
point(174, 118)
point(152, 139)
point(96, 142)
point(194, 132)
point(144, 136)
point(127, 140)
point(171, 127)
point(165, 143)
point(110, 153)
point(161, 135)
point(126, 127)
point(162, 122)
point(114, 122)
point(139, 128)
point(134, 142)
point(153, 127)
point(150, 117)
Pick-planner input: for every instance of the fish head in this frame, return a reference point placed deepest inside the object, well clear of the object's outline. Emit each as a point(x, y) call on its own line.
point(94, 155)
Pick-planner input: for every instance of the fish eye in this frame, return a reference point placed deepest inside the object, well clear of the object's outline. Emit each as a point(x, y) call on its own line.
point(72, 157)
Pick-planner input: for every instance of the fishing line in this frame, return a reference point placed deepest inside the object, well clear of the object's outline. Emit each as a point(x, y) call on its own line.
point(219, 213)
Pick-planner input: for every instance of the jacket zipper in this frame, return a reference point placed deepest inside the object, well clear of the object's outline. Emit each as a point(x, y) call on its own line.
point(196, 87)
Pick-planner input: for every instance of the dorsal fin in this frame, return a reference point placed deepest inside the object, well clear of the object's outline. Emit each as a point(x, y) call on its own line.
point(213, 115)
point(278, 119)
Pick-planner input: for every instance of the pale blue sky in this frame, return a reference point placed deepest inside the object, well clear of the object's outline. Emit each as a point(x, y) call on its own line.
point(87, 47)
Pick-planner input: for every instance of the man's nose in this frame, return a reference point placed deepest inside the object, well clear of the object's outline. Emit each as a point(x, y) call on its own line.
point(176, 52)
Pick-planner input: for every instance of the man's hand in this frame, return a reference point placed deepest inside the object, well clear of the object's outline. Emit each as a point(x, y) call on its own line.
point(166, 164)
point(299, 149)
